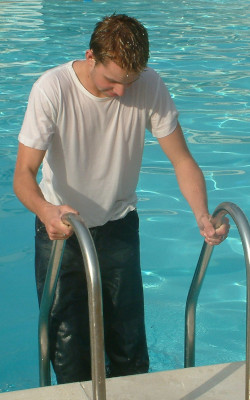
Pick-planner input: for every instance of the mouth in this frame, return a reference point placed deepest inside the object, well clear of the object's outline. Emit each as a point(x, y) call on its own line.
point(111, 94)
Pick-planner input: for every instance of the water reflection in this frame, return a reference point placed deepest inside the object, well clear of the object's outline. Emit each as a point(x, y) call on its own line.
point(152, 170)
point(216, 138)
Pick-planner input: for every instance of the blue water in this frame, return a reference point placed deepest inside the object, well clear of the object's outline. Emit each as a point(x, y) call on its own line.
point(201, 49)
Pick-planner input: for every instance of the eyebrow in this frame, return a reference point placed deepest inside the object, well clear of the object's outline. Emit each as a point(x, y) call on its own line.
point(113, 81)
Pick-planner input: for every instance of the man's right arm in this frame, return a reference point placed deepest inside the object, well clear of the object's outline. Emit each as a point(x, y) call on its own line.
point(29, 193)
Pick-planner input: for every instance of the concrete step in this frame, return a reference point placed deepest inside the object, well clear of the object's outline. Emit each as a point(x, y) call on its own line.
point(213, 382)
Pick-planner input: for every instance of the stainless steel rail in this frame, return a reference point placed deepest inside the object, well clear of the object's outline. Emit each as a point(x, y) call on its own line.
point(244, 230)
point(45, 307)
point(95, 306)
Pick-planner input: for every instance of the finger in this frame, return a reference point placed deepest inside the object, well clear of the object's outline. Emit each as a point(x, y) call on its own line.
point(59, 234)
point(65, 222)
point(223, 230)
point(66, 228)
point(215, 240)
point(216, 233)
point(62, 228)
point(64, 214)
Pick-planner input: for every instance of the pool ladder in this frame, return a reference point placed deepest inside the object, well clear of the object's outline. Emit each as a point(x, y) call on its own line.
point(244, 230)
point(91, 265)
point(95, 298)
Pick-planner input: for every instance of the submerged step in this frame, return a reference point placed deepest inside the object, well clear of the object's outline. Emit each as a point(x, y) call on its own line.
point(213, 382)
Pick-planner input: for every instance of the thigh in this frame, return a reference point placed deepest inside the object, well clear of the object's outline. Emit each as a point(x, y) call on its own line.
point(72, 261)
point(117, 245)
point(119, 257)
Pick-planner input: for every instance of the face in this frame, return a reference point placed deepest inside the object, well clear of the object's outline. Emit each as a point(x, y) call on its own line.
point(109, 80)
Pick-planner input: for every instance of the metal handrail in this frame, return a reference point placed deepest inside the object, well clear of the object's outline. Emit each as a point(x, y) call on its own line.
point(95, 306)
point(244, 230)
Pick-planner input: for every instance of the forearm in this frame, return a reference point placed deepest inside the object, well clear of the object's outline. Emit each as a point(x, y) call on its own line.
point(29, 193)
point(192, 185)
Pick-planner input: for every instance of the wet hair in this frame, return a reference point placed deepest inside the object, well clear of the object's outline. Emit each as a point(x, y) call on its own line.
point(121, 39)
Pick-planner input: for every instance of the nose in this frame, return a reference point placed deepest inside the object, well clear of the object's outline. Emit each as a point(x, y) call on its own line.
point(119, 89)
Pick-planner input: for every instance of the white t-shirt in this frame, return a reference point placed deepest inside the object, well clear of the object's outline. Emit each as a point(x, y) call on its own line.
point(94, 145)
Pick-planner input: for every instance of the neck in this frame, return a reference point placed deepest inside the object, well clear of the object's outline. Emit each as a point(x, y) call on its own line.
point(81, 69)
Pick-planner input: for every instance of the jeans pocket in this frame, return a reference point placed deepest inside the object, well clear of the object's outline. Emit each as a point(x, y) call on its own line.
point(131, 221)
point(40, 229)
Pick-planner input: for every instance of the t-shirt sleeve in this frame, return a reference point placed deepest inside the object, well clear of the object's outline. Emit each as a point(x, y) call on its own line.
point(164, 115)
point(39, 121)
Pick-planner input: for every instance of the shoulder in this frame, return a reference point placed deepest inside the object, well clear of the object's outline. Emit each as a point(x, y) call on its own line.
point(150, 74)
point(152, 85)
point(51, 85)
point(54, 76)
point(152, 80)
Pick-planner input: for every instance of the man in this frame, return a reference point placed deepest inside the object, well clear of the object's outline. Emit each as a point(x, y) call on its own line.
point(86, 122)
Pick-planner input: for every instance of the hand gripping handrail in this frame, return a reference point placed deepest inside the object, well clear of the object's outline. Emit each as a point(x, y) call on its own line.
point(94, 300)
point(244, 230)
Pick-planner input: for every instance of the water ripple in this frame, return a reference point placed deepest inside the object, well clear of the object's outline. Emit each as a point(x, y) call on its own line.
point(214, 138)
point(152, 170)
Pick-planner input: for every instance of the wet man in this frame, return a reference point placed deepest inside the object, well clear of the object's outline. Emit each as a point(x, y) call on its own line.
point(85, 122)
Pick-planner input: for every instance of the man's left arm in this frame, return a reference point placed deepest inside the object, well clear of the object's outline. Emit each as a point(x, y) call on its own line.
point(192, 185)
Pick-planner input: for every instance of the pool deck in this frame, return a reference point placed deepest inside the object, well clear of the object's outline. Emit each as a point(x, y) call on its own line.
point(214, 382)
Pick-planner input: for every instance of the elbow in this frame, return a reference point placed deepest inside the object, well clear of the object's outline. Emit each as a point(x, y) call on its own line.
point(186, 164)
point(15, 184)
point(19, 181)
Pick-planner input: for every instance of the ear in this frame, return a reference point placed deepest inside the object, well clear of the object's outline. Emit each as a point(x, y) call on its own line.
point(89, 55)
point(90, 58)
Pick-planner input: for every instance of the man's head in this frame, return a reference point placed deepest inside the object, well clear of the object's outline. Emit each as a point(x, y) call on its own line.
point(123, 40)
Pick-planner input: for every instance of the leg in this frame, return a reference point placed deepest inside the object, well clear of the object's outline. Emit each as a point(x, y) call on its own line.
point(117, 245)
point(69, 323)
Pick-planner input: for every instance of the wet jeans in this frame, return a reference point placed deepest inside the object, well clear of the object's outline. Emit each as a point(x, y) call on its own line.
point(117, 246)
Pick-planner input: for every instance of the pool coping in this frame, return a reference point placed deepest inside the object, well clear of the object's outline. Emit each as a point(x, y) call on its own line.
point(220, 382)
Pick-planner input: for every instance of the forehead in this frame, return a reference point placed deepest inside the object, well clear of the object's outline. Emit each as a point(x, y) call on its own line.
point(113, 72)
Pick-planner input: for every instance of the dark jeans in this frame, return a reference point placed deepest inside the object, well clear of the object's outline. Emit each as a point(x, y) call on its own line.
point(117, 246)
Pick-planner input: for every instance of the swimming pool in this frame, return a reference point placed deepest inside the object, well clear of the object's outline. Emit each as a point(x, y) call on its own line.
point(201, 50)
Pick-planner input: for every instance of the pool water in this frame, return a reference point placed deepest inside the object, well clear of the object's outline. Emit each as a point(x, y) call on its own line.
point(201, 49)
